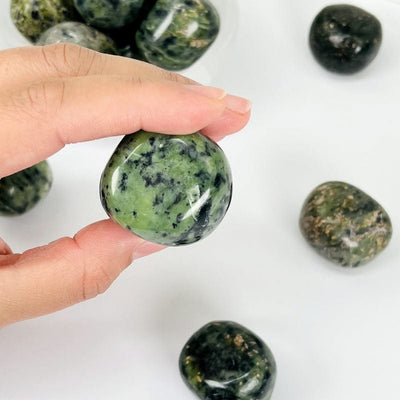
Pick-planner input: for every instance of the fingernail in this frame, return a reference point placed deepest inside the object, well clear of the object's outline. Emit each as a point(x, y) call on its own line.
point(208, 91)
point(4, 248)
point(237, 104)
point(145, 249)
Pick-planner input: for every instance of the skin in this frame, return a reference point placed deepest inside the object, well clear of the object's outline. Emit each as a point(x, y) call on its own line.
point(60, 94)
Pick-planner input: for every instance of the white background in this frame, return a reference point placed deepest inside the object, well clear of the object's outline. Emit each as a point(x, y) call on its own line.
point(334, 332)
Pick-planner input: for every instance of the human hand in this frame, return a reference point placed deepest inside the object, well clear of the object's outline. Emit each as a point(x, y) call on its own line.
point(60, 94)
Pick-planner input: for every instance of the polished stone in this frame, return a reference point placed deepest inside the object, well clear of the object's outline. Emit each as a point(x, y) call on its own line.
point(225, 361)
point(344, 38)
point(78, 33)
point(344, 224)
point(108, 14)
point(176, 33)
point(23, 190)
point(167, 189)
point(33, 17)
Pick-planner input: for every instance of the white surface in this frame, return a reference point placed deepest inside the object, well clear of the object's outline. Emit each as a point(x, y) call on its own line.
point(334, 332)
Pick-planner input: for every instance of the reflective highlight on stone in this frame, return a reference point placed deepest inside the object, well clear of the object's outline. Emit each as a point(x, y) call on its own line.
point(80, 34)
point(344, 224)
point(344, 38)
point(225, 361)
point(23, 190)
point(167, 189)
point(108, 14)
point(176, 33)
point(33, 17)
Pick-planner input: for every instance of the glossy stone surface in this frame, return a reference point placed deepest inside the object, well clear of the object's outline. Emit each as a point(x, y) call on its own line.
point(23, 190)
point(176, 33)
point(78, 33)
point(108, 14)
point(225, 361)
point(167, 189)
point(344, 38)
point(344, 224)
point(33, 17)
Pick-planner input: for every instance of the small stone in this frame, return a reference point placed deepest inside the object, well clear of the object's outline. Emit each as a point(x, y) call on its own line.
point(108, 14)
point(344, 38)
point(23, 190)
point(225, 361)
point(33, 17)
point(344, 224)
point(78, 33)
point(176, 33)
point(167, 189)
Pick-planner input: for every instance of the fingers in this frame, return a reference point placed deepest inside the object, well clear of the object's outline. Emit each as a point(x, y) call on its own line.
point(67, 271)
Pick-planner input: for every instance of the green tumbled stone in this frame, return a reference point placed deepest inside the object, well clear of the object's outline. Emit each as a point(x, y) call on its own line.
point(225, 361)
point(167, 189)
point(33, 17)
point(21, 191)
point(78, 33)
point(344, 38)
point(176, 33)
point(108, 14)
point(344, 224)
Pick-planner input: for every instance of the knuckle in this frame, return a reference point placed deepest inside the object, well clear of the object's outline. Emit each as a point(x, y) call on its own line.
point(95, 280)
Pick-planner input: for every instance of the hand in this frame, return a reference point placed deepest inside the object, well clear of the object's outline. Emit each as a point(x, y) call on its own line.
point(60, 94)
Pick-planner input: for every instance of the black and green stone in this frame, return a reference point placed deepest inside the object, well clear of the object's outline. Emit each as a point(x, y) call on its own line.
point(23, 190)
point(80, 34)
point(176, 33)
point(344, 38)
point(33, 17)
point(225, 361)
point(167, 189)
point(108, 14)
point(344, 224)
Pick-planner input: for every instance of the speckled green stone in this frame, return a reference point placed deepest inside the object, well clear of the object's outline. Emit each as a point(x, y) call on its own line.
point(344, 38)
point(176, 33)
point(108, 14)
point(225, 361)
point(78, 33)
point(344, 224)
point(23, 190)
point(33, 17)
point(167, 189)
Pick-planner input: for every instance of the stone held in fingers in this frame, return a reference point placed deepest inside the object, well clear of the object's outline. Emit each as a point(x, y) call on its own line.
point(225, 361)
point(167, 189)
point(344, 224)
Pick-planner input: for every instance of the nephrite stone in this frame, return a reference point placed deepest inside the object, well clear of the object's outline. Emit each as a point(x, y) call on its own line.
point(33, 17)
point(176, 33)
point(78, 33)
point(344, 224)
point(23, 190)
point(167, 189)
point(225, 361)
point(108, 14)
point(344, 38)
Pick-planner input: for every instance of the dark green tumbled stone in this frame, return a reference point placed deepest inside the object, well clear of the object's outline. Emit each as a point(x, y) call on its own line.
point(176, 33)
point(23, 190)
point(225, 361)
point(108, 14)
point(78, 33)
point(344, 38)
point(344, 224)
point(33, 17)
point(167, 189)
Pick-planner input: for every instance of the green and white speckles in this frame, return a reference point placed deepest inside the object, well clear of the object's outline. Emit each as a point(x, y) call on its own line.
point(225, 361)
point(21, 191)
point(344, 224)
point(78, 33)
point(167, 189)
point(33, 17)
point(108, 14)
point(176, 33)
